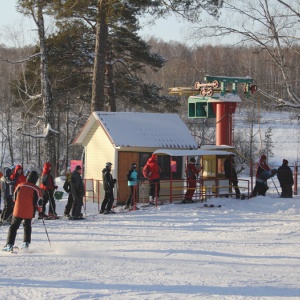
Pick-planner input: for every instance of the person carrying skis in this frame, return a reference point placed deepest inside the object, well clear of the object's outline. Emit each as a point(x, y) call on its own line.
point(77, 191)
point(262, 165)
point(108, 185)
point(286, 180)
point(132, 181)
point(230, 173)
point(261, 186)
point(7, 187)
point(27, 197)
point(17, 176)
point(67, 188)
point(192, 173)
point(48, 187)
point(151, 171)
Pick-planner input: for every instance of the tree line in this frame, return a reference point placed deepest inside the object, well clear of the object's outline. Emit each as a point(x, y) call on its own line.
point(96, 60)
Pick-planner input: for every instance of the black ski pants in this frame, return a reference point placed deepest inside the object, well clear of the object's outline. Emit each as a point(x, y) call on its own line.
point(108, 201)
point(69, 205)
point(77, 204)
point(12, 232)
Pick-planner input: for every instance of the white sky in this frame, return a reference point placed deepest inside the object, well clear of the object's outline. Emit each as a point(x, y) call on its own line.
point(167, 30)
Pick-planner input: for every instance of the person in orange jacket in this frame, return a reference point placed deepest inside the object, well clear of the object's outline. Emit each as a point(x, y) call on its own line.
point(48, 187)
point(17, 176)
point(151, 171)
point(27, 197)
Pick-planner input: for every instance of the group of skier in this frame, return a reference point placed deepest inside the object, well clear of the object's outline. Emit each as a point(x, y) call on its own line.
point(22, 198)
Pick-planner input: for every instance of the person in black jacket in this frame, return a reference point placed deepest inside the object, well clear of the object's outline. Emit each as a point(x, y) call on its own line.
point(285, 177)
point(108, 185)
point(67, 188)
point(230, 173)
point(7, 191)
point(77, 190)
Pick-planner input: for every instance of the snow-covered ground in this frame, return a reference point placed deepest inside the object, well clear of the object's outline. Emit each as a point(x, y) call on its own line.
point(244, 250)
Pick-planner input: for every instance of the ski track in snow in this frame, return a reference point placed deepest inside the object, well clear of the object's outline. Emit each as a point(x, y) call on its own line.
point(244, 250)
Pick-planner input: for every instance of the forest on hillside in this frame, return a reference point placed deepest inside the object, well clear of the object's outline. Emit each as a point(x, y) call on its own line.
point(50, 89)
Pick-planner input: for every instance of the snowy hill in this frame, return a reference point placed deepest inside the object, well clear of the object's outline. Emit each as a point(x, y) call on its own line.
point(243, 250)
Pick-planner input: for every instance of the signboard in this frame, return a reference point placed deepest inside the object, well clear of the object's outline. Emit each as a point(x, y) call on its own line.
point(74, 163)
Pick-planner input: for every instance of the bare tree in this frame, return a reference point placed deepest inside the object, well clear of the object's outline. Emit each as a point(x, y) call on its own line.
point(272, 26)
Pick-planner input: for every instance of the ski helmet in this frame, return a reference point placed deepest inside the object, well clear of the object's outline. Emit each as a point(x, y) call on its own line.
point(32, 177)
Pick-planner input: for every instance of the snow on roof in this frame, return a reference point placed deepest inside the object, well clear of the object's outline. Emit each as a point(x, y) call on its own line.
point(200, 152)
point(135, 129)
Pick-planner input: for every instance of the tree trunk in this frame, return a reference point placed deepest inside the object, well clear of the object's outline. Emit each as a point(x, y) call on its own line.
point(49, 142)
point(98, 85)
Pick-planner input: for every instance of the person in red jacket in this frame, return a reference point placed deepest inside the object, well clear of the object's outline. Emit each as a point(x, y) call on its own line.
point(192, 173)
point(17, 176)
point(48, 187)
point(27, 197)
point(262, 165)
point(151, 171)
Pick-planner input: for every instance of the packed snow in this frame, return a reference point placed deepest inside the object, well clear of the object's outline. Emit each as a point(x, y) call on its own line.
point(246, 249)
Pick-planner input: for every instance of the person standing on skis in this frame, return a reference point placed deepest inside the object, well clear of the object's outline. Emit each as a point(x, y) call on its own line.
point(230, 173)
point(48, 187)
point(261, 186)
point(27, 197)
point(67, 188)
point(77, 191)
point(192, 173)
point(286, 180)
point(7, 187)
point(108, 185)
point(151, 171)
point(132, 179)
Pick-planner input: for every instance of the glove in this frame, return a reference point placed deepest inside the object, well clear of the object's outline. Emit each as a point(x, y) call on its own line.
point(115, 181)
point(55, 187)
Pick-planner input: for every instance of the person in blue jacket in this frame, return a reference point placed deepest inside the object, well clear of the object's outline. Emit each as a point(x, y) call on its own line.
point(132, 178)
point(261, 186)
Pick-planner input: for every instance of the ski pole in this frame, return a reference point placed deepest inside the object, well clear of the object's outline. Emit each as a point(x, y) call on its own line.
point(46, 231)
point(275, 186)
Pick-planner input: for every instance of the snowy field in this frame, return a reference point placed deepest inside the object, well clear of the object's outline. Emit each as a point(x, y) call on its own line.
point(244, 250)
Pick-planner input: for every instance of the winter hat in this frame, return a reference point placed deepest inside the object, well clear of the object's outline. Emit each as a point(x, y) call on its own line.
point(193, 159)
point(7, 172)
point(32, 177)
point(108, 164)
point(285, 162)
point(133, 165)
point(78, 168)
point(263, 157)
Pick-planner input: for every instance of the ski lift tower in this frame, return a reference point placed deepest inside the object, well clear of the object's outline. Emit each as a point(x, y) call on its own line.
point(216, 98)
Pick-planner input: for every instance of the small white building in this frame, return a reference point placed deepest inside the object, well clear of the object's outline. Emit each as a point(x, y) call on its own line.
point(126, 137)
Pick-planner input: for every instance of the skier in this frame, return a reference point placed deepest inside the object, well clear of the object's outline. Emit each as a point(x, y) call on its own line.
point(261, 183)
point(262, 165)
point(7, 187)
point(17, 176)
point(230, 173)
point(77, 191)
point(285, 177)
point(132, 181)
point(108, 185)
point(67, 188)
point(151, 171)
point(192, 173)
point(27, 197)
point(48, 187)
